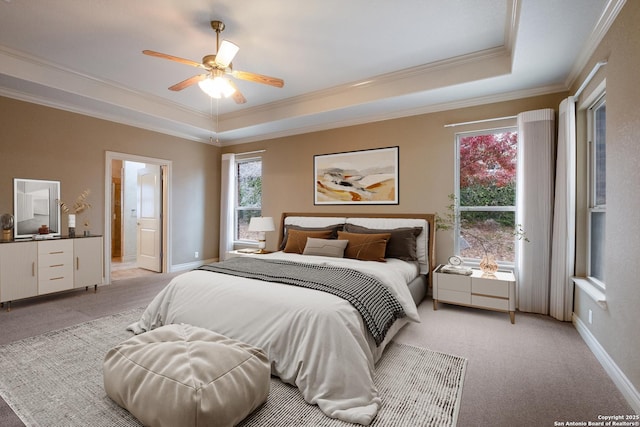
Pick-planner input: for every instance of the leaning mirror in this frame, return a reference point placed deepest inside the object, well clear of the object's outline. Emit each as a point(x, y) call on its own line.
point(35, 204)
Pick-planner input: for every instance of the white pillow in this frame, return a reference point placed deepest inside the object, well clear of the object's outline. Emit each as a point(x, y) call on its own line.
point(325, 247)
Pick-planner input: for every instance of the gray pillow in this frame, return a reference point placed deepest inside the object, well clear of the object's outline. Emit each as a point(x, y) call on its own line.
point(401, 245)
point(325, 247)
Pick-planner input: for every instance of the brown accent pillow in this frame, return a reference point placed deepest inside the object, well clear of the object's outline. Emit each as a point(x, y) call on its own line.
point(297, 239)
point(365, 247)
point(333, 228)
point(401, 245)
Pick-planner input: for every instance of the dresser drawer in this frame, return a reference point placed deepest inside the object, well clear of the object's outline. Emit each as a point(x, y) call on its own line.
point(55, 266)
point(446, 295)
point(492, 287)
point(454, 282)
point(489, 302)
point(55, 247)
point(55, 278)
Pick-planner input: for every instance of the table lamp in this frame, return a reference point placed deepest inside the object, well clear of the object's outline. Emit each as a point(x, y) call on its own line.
point(261, 224)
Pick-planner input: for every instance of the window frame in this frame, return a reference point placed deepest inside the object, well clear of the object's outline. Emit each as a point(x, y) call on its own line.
point(237, 208)
point(459, 209)
point(592, 180)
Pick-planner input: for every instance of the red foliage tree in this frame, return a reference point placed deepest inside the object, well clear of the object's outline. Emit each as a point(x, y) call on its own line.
point(488, 159)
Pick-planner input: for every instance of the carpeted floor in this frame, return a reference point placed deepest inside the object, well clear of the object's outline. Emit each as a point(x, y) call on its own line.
point(55, 379)
point(533, 373)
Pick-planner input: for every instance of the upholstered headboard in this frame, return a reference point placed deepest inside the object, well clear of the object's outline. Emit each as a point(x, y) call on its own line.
point(425, 241)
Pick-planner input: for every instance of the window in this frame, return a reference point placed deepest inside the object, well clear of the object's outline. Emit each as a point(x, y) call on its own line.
point(486, 194)
point(248, 196)
point(597, 130)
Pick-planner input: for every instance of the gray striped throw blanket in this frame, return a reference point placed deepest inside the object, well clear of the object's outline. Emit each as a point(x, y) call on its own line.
point(377, 306)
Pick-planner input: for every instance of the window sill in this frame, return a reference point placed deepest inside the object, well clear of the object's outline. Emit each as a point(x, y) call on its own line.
point(591, 290)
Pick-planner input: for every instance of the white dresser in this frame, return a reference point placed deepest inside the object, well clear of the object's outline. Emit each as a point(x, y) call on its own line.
point(31, 268)
point(496, 292)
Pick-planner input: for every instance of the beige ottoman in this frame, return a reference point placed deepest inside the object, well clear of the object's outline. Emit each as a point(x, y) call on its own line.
point(181, 375)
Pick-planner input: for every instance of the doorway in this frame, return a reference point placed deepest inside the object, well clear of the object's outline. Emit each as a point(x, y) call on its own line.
point(136, 216)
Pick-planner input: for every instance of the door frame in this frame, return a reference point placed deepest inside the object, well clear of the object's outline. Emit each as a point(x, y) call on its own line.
point(166, 172)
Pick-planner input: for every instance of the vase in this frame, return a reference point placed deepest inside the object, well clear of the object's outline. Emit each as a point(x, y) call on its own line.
point(488, 264)
point(72, 225)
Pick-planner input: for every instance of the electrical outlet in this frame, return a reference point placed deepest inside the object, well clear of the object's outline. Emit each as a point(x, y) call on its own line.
point(590, 317)
point(196, 254)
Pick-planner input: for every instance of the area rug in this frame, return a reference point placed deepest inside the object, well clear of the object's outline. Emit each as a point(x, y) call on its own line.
point(55, 379)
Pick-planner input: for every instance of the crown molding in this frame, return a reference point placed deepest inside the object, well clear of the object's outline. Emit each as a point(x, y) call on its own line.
point(462, 69)
point(609, 15)
point(435, 108)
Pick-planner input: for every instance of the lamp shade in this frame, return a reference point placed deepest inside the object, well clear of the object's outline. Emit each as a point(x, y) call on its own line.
point(261, 224)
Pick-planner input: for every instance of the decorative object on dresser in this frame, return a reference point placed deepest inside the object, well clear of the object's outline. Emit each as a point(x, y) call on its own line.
point(492, 292)
point(7, 222)
point(34, 204)
point(357, 177)
point(261, 224)
point(79, 206)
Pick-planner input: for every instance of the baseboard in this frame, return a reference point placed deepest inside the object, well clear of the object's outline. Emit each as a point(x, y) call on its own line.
point(619, 378)
point(190, 265)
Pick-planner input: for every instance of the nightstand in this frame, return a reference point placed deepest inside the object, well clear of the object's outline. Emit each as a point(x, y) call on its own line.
point(239, 252)
point(496, 292)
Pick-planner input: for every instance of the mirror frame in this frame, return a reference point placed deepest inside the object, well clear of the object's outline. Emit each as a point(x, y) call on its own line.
point(44, 197)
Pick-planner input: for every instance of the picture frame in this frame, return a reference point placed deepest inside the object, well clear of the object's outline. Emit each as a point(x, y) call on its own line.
point(363, 177)
point(35, 203)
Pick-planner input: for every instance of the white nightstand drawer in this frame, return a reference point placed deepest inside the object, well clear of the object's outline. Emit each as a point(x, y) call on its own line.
point(454, 282)
point(491, 287)
point(489, 302)
point(446, 295)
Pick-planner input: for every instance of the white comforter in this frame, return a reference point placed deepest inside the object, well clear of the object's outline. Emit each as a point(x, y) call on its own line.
point(314, 340)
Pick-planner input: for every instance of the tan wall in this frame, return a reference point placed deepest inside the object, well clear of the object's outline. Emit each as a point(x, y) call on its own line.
point(38, 142)
point(616, 328)
point(427, 153)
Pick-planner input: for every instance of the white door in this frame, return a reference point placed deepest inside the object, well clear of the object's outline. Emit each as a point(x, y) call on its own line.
point(149, 219)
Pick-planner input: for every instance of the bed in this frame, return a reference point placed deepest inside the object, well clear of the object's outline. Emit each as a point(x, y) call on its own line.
point(323, 338)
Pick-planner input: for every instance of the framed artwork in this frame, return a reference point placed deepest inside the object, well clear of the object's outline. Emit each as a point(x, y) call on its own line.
point(357, 177)
point(35, 203)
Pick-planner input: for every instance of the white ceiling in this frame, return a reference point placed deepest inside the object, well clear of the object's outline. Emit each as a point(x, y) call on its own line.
point(343, 61)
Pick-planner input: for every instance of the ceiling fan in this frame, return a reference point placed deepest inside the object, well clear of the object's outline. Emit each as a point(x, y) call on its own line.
point(214, 82)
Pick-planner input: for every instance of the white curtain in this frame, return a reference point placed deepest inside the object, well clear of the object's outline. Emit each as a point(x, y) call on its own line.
point(564, 215)
point(227, 204)
point(536, 154)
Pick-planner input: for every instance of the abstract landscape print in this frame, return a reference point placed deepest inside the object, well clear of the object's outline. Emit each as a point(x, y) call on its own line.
point(357, 177)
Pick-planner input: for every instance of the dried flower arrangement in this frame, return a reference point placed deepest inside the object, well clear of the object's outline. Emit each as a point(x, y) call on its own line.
point(80, 205)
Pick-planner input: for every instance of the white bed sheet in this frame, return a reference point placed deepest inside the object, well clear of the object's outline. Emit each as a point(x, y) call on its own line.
point(314, 340)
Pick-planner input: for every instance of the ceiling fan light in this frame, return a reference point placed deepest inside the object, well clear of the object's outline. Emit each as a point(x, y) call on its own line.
point(226, 53)
point(217, 87)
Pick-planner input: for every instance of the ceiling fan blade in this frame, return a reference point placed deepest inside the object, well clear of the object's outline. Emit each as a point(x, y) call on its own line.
point(226, 53)
point(173, 58)
point(237, 96)
point(258, 78)
point(188, 82)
